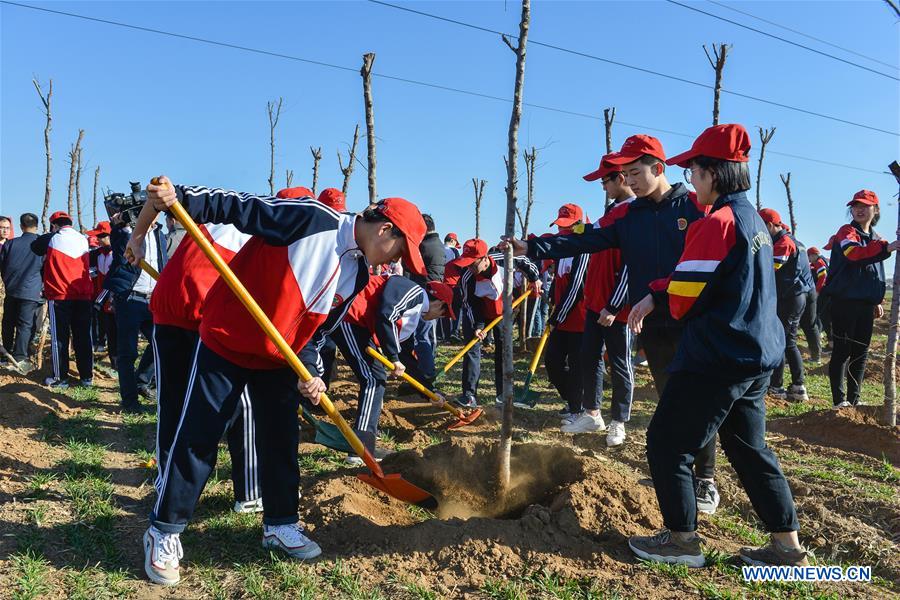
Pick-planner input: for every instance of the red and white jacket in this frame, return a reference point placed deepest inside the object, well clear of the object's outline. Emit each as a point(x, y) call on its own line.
point(66, 268)
point(606, 282)
point(183, 284)
point(389, 308)
point(301, 264)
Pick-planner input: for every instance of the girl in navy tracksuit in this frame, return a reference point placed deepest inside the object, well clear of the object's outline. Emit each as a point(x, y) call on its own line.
point(723, 289)
point(856, 288)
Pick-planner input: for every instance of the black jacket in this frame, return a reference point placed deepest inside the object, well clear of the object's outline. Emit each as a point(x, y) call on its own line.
point(21, 268)
point(122, 276)
point(432, 250)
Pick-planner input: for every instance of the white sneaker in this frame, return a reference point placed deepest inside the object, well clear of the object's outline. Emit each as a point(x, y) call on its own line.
point(162, 551)
point(291, 540)
point(569, 418)
point(843, 404)
point(585, 423)
point(615, 435)
point(248, 506)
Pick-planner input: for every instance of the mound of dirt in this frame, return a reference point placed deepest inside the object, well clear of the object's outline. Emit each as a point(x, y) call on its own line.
point(565, 511)
point(852, 429)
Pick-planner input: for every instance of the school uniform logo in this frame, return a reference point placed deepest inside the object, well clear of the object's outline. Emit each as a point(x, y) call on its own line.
point(337, 301)
point(682, 224)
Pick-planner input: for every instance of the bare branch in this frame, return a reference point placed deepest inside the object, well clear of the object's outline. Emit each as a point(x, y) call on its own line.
point(96, 180)
point(720, 52)
point(786, 180)
point(274, 111)
point(289, 177)
point(348, 170)
point(46, 100)
point(366, 72)
point(765, 136)
point(508, 43)
point(73, 170)
point(317, 156)
point(896, 10)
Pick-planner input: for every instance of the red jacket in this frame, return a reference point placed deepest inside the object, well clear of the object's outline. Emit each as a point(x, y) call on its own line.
point(606, 283)
point(66, 265)
point(389, 308)
point(568, 293)
point(819, 270)
point(183, 284)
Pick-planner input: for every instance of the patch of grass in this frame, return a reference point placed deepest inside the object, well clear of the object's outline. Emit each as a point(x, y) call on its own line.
point(85, 459)
point(738, 528)
point(387, 438)
point(37, 514)
point(294, 579)
point(91, 497)
point(673, 571)
point(552, 585)
point(791, 410)
point(38, 483)
point(83, 394)
point(350, 584)
point(81, 427)
point(320, 461)
point(419, 513)
point(96, 584)
point(30, 573)
point(211, 581)
point(412, 589)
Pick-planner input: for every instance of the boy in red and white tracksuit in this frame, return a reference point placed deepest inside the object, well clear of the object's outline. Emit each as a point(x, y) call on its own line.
point(315, 263)
point(386, 314)
point(69, 291)
point(562, 357)
point(606, 299)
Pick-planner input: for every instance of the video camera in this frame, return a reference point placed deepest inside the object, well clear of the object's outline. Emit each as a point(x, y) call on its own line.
point(128, 206)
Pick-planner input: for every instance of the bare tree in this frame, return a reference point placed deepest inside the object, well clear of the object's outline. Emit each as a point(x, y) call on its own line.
point(348, 170)
point(505, 448)
point(765, 136)
point(78, 170)
point(609, 115)
point(73, 170)
point(46, 100)
point(889, 413)
point(530, 165)
point(786, 180)
point(366, 72)
point(720, 52)
point(289, 177)
point(317, 156)
point(274, 111)
point(894, 7)
point(478, 184)
point(96, 180)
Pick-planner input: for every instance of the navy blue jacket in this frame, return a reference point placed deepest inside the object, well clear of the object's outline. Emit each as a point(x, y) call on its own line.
point(21, 268)
point(793, 276)
point(723, 289)
point(650, 235)
point(122, 275)
point(856, 269)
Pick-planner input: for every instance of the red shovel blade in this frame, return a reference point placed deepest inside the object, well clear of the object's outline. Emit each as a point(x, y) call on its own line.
point(395, 486)
point(466, 419)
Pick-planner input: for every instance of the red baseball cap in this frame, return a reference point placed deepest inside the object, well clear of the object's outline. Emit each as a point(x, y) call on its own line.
point(770, 215)
point(473, 250)
point(829, 244)
point(441, 291)
point(635, 147)
point(452, 236)
point(407, 218)
point(604, 169)
point(864, 196)
point(725, 142)
point(812, 250)
point(295, 192)
point(568, 215)
point(59, 215)
point(334, 198)
point(103, 228)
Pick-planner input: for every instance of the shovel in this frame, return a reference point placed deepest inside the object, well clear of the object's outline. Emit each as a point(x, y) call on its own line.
point(326, 434)
point(475, 339)
point(464, 418)
point(532, 368)
point(391, 484)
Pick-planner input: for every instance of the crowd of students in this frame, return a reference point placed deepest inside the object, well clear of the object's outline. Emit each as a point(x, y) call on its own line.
point(716, 291)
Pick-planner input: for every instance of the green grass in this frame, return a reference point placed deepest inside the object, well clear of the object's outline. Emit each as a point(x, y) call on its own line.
point(419, 513)
point(83, 394)
point(37, 485)
point(96, 584)
point(350, 584)
point(737, 528)
point(412, 589)
point(878, 482)
point(320, 461)
point(31, 573)
point(504, 589)
point(91, 497)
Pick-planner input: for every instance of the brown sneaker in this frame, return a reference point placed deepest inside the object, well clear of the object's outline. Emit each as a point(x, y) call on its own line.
point(775, 554)
point(662, 547)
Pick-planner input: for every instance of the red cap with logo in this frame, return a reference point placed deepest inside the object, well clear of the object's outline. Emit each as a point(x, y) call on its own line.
point(60, 215)
point(770, 215)
point(295, 192)
point(864, 196)
point(635, 147)
point(333, 198)
point(407, 218)
point(725, 142)
point(604, 169)
point(568, 215)
point(473, 250)
point(441, 291)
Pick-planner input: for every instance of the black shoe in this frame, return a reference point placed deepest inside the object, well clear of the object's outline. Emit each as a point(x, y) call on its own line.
point(136, 409)
point(145, 392)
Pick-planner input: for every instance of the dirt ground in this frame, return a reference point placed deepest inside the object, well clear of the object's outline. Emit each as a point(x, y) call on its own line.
point(75, 490)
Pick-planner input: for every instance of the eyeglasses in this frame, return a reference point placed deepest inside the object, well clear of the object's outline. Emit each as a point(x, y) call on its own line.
point(606, 180)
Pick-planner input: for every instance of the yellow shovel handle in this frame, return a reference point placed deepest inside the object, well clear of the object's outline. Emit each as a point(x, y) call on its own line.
point(540, 350)
point(263, 321)
point(490, 326)
point(149, 270)
point(413, 382)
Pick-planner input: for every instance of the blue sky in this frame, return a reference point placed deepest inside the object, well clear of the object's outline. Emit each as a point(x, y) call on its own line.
point(151, 104)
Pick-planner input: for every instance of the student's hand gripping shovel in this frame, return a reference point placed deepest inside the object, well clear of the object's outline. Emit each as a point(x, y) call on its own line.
point(464, 418)
point(391, 484)
point(326, 434)
point(532, 368)
point(475, 339)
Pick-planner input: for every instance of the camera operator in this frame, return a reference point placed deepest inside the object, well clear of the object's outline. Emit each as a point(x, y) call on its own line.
point(131, 288)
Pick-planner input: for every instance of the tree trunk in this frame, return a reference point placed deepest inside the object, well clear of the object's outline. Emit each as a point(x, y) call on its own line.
point(720, 53)
point(765, 135)
point(78, 171)
point(790, 201)
point(317, 156)
point(609, 115)
point(478, 184)
point(505, 448)
point(366, 72)
point(348, 170)
point(96, 180)
point(47, 102)
point(73, 171)
point(274, 111)
point(889, 412)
